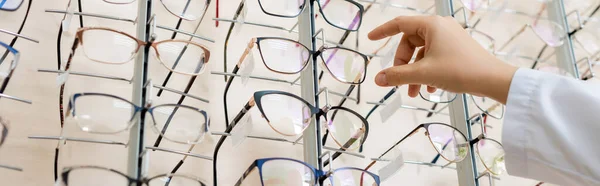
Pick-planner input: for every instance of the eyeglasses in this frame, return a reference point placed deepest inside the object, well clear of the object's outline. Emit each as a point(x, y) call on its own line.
point(122, 47)
point(289, 115)
point(107, 114)
point(343, 14)
point(450, 143)
point(286, 171)
point(345, 65)
point(93, 175)
point(490, 152)
point(290, 9)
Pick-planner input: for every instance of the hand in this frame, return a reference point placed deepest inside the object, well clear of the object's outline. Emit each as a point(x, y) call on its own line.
point(449, 59)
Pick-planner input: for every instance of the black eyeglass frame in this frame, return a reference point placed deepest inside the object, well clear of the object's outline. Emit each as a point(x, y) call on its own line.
point(68, 170)
point(361, 11)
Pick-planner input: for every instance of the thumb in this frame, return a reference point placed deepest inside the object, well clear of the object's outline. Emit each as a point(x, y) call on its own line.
point(401, 75)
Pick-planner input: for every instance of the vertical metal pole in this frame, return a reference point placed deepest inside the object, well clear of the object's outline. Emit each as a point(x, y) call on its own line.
point(136, 136)
point(309, 86)
point(565, 56)
point(459, 115)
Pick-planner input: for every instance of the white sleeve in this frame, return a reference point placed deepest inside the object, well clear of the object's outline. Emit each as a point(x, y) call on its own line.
point(551, 132)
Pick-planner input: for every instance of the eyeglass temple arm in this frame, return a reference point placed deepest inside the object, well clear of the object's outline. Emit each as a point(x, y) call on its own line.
point(230, 79)
point(246, 173)
point(226, 43)
point(92, 15)
point(19, 35)
point(229, 128)
point(397, 143)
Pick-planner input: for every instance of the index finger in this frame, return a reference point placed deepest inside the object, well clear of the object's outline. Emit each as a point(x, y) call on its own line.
point(409, 25)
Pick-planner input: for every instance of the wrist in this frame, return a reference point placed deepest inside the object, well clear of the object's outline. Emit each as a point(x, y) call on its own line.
point(496, 81)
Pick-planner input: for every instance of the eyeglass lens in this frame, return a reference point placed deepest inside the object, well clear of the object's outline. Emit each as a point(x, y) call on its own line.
point(94, 177)
point(185, 125)
point(186, 9)
point(181, 56)
point(344, 126)
point(341, 13)
point(439, 96)
point(283, 56)
point(491, 154)
point(287, 115)
point(345, 65)
point(550, 32)
point(108, 46)
point(349, 177)
point(288, 173)
point(448, 142)
point(289, 8)
point(102, 114)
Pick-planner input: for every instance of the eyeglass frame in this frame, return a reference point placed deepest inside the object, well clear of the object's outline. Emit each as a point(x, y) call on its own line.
point(414, 131)
point(360, 12)
point(67, 171)
point(319, 175)
point(137, 109)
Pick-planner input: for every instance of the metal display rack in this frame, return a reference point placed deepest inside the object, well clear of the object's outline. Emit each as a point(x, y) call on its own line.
point(310, 85)
point(135, 164)
point(459, 114)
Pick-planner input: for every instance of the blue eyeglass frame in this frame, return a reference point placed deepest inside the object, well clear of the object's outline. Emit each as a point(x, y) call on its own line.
point(136, 109)
point(319, 175)
point(2, 2)
point(13, 64)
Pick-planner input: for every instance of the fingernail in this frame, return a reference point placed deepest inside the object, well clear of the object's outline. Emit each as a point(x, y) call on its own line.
point(381, 79)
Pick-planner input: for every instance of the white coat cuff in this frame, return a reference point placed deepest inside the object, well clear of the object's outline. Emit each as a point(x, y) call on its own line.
point(518, 113)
